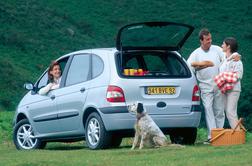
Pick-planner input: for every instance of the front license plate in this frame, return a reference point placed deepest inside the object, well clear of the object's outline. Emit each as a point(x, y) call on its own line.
point(160, 90)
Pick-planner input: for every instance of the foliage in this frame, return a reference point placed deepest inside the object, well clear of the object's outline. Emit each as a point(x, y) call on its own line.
point(245, 108)
point(6, 126)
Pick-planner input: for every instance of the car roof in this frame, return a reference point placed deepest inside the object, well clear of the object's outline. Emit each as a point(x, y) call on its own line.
point(90, 51)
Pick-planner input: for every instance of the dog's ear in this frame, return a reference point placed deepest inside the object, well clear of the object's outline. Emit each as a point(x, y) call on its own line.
point(140, 108)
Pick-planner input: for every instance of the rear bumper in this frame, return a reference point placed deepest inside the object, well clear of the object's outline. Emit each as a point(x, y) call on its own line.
point(125, 121)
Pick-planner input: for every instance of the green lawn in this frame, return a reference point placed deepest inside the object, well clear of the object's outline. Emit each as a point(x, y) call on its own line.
point(62, 154)
point(67, 154)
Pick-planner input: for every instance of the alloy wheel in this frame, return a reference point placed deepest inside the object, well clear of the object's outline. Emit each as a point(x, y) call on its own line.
point(25, 137)
point(93, 131)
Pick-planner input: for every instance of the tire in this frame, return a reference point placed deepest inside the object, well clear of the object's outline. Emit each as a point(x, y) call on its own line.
point(184, 136)
point(96, 135)
point(23, 137)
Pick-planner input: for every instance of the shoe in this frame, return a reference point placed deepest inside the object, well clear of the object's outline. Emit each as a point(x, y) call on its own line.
point(207, 142)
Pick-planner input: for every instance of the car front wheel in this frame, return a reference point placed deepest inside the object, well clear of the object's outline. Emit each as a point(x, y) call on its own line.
point(96, 135)
point(23, 136)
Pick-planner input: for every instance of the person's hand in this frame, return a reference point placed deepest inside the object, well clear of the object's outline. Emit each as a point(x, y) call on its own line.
point(236, 57)
point(54, 86)
point(50, 85)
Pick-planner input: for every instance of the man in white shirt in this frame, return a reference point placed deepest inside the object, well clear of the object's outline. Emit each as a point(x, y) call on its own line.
point(211, 97)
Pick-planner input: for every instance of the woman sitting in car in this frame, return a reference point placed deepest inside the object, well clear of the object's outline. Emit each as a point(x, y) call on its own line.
point(54, 78)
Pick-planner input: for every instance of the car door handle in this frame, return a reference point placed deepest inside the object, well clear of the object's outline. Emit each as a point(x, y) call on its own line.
point(82, 90)
point(52, 97)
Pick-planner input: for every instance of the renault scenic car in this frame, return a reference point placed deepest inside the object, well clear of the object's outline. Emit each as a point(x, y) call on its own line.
point(97, 85)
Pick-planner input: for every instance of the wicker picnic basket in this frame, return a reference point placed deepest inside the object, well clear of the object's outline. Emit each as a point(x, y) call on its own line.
point(222, 136)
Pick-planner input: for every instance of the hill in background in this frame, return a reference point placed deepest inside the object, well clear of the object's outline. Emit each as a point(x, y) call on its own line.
point(32, 33)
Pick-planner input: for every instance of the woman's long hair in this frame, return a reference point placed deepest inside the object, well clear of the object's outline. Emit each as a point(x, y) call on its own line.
point(232, 42)
point(50, 76)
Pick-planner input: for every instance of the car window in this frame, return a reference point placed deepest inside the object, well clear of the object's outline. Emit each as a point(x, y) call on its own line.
point(44, 79)
point(97, 66)
point(175, 67)
point(132, 63)
point(78, 70)
point(153, 64)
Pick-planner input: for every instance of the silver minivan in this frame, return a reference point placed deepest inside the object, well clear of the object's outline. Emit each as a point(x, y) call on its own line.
point(98, 84)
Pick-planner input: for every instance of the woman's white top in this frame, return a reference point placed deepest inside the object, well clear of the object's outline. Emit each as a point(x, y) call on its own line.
point(54, 85)
point(233, 66)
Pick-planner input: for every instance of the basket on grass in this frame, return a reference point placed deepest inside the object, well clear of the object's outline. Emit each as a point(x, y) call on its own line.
point(222, 136)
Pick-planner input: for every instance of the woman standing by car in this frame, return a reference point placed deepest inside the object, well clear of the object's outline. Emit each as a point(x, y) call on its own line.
point(232, 72)
point(54, 78)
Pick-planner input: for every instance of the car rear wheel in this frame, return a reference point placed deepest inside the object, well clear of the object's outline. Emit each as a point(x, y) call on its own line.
point(96, 135)
point(24, 137)
point(185, 136)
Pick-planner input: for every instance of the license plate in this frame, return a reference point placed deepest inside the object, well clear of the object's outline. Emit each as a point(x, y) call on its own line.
point(160, 90)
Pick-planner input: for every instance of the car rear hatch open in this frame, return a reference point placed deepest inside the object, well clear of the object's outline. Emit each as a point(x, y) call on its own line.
point(155, 75)
point(153, 36)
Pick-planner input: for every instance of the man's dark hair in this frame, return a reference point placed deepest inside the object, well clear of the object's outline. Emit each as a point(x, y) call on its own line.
point(203, 32)
point(230, 41)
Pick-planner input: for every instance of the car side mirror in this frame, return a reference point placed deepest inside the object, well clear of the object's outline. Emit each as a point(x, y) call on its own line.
point(29, 86)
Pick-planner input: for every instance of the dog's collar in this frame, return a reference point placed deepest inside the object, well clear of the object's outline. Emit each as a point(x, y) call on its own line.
point(139, 116)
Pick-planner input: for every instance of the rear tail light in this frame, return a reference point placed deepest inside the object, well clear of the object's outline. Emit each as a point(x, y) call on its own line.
point(115, 94)
point(196, 93)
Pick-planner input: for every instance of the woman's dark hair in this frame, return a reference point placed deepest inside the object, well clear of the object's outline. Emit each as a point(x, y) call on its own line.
point(50, 76)
point(230, 41)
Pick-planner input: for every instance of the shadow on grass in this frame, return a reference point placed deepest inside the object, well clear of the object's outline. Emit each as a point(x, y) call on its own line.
point(66, 146)
point(78, 146)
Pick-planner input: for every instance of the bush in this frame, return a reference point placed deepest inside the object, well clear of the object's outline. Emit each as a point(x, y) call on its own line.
point(245, 108)
point(6, 126)
point(12, 84)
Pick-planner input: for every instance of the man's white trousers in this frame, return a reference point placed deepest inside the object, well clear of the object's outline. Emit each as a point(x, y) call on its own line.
point(214, 109)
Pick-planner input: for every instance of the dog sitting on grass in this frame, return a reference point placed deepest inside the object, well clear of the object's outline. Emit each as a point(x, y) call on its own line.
point(147, 130)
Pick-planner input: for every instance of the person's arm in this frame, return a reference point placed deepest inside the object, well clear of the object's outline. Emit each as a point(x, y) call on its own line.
point(196, 65)
point(239, 69)
point(202, 64)
point(192, 58)
point(46, 89)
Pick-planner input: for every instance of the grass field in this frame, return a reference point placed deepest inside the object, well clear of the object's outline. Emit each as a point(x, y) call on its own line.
point(62, 154)
point(77, 154)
